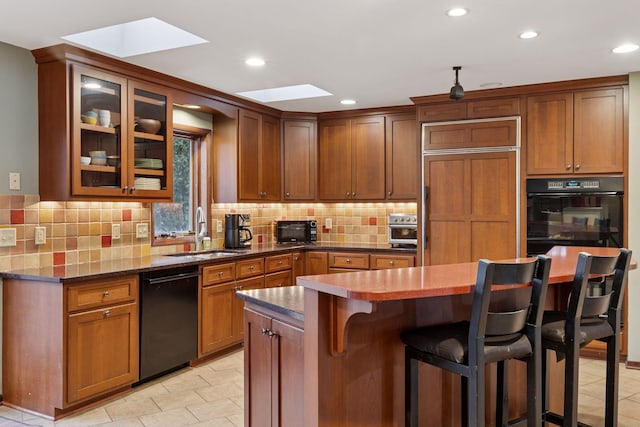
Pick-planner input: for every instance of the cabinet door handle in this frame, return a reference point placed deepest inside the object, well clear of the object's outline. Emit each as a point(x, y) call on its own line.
point(133, 189)
point(271, 334)
point(348, 193)
point(577, 166)
point(105, 294)
point(353, 194)
point(107, 313)
point(287, 194)
point(125, 189)
point(568, 166)
point(389, 193)
point(264, 331)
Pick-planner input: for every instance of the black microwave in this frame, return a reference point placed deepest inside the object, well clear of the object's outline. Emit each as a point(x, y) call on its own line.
point(297, 231)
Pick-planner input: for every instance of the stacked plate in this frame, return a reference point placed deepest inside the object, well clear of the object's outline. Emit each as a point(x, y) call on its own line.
point(148, 163)
point(147, 183)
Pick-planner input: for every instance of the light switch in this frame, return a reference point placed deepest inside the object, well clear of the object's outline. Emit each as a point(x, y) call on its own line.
point(328, 223)
point(219, 226)
point(40, 236)
point(115, 231)
point(142, 230)
point(14, 181)
point(7, 237)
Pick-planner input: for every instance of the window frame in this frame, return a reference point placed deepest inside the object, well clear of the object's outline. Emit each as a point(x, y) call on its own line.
point(201, 174)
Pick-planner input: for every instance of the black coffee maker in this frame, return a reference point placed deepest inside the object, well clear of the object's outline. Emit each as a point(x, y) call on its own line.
point(237, 233)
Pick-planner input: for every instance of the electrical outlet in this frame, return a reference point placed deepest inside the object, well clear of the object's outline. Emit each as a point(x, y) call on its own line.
point(142, 230)
point(14, 181)
point(328, 223)
point(7, 237)
point(115, 231)
point(40, 236)
point(219, 226)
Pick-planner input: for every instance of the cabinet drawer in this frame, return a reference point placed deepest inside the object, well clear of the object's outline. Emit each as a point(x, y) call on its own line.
point(219, 273)
point(380, 262)
point(275, 280)
point(349, 260)
point(249, 268)
point(102, 293)
point(278, 263)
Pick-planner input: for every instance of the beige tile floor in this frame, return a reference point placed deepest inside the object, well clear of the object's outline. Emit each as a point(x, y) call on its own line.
point(212, 395)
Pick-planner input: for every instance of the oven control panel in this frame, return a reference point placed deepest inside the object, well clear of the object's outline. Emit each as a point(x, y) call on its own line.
point(403, 219)
point(573, 184)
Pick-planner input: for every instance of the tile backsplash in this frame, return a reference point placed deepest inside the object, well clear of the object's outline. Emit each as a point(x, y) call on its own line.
point(79, 232)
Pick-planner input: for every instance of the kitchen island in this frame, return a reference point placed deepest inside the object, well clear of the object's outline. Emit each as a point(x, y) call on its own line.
point(353, 356)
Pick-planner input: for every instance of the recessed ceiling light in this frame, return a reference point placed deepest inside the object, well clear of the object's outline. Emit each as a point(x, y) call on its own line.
point(135, 38)
point(348, 102)
point(626, 48)
point(528, 34)
point(490, 85)
point(255, 61)
point(457, 11)
point(285, 93)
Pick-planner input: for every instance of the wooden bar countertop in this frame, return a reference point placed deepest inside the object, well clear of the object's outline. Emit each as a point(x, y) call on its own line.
point(436, 280)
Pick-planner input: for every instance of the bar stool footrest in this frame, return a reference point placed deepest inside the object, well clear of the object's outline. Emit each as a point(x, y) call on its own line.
point(557, 419)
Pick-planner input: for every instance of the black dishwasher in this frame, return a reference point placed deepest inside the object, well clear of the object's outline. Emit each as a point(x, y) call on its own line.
point(168, 320)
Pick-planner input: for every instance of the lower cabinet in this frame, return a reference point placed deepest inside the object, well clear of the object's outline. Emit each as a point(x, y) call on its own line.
point(274, 371)
point(77, 342)
point(102, 350)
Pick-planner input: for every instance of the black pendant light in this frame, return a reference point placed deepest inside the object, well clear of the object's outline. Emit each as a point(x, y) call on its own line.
point(457, 92)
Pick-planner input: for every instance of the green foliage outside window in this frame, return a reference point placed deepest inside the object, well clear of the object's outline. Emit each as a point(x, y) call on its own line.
point(176, 218)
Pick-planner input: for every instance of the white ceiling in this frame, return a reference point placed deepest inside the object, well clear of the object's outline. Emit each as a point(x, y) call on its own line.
point(379, 52)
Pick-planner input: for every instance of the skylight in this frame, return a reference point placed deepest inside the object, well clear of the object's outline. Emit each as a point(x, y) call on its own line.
point(135, 38)
point(285, 93)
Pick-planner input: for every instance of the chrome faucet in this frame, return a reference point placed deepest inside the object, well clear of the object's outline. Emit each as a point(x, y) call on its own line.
point(201, 227)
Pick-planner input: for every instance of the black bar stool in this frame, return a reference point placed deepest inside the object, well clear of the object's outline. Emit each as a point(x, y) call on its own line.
point(465, 347)
point(587, 318)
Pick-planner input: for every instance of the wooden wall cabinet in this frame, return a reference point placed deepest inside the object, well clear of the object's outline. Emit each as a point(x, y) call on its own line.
point(259, 157)
point(274, 371)
point(579, 132)
point(139, 158)
point(475, 109)
point(83, 338)
point(351, 159)
point(402, 157)
point(300, 156)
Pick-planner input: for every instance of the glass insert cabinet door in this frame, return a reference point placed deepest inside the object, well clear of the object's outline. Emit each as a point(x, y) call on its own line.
point(119, 146)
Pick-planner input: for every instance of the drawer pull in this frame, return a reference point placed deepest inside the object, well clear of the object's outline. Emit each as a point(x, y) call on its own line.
point(348, 261)
point(220, 273)
point(107, 313)
point(391, 262)
point(251, 267)
point(105, 294)
point(280, 262)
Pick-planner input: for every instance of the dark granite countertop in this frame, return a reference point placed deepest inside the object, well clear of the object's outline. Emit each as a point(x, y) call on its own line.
point(286, 300)
point(77, 272)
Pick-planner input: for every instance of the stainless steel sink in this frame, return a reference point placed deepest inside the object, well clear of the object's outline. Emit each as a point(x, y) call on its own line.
point(204, 254)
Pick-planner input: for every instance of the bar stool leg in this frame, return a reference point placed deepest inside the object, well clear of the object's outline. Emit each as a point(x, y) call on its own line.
point(464, 401)
point(410, 389)
point(611, 400)
point(571, 386)
point(502, 400)
point(534, 388)
point(544, 388)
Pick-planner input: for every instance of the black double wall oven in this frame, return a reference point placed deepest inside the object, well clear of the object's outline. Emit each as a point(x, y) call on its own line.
point(574, 212)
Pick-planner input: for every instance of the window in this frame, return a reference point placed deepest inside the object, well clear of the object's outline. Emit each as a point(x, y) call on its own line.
point(173, 222)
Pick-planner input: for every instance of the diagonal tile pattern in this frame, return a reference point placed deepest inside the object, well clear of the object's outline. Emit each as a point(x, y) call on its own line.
point(212, 395)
